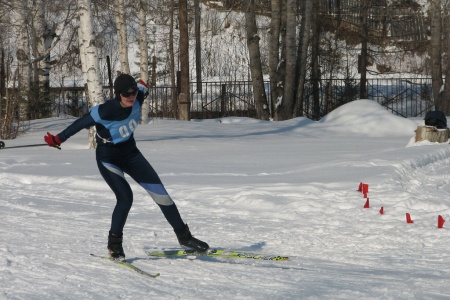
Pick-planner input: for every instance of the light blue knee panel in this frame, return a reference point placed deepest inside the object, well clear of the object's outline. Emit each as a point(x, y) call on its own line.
point(158, 193)
point(113, 168)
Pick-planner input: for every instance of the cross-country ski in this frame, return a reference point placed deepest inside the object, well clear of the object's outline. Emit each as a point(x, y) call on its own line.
point(217, 253)
point(127, 265)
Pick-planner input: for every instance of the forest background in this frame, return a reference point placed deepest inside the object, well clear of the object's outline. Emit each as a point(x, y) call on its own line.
point(282, 48)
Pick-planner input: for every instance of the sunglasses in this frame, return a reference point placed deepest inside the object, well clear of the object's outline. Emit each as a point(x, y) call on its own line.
point(128, 94)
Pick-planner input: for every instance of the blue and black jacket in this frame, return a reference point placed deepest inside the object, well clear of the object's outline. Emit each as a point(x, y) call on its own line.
point(114, 124)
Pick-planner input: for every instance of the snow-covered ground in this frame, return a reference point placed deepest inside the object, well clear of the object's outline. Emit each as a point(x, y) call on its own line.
point(283, 188)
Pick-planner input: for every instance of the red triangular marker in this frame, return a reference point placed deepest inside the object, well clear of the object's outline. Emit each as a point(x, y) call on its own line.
point(408, 219)
point(441, 221)
point(365, 188)
point(367, 204)
point(360, 187)
point(382, 210)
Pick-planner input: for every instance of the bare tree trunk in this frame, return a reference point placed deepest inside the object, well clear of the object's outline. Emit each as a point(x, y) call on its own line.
point(436, 52)
point(315, 55)
point(259, 92)
point(303, 40)
point(88, 52)
point(198, 51)
point(2, 72)
point(43, 38)
point(274, 56)
point(184, 102)
point(121, 25)
point(446, 96)
point(362, 62)
point(286, 109)
point(143, 46)
point(172, 62)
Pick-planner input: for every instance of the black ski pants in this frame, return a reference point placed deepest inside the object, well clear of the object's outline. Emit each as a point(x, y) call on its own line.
point(114, 161)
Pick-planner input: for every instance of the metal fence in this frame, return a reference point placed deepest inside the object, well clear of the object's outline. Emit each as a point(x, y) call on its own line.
point(407, 97)
point(70, 101)
point(217, 99)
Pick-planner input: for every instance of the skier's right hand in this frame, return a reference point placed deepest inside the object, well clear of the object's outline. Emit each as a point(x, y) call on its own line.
point(53, 140)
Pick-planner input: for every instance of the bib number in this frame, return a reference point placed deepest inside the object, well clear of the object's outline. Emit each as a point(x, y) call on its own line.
point(126, 130)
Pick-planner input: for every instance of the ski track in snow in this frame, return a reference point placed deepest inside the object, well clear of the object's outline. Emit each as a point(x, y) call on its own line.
point(55, 209)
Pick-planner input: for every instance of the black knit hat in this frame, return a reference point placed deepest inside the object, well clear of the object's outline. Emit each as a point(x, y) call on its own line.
point(123, 83)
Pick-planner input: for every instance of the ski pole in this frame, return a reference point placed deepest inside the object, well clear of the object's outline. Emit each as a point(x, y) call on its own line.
point(2, 146)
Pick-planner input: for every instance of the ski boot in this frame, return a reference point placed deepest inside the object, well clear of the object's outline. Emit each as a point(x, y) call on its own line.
point(186, 240)
point(115, 246)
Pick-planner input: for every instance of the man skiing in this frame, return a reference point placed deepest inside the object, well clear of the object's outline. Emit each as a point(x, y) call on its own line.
point(116, 154)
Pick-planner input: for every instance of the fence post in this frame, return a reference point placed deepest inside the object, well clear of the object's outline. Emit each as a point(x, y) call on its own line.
point(176, 98)
point(110, 82)
point(223, 106)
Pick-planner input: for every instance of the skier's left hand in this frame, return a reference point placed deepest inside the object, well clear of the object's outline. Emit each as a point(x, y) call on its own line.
point(53, 140)
point(143, 87)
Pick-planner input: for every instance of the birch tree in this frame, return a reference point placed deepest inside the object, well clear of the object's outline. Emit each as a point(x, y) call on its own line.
point(275, 71)
point(143, 46)
point(31, 40)
point(89, 61)
point(172, 60)
point(119, 9)
point(283, 57)
point(45, 35)
point(23, 55)
point(300, 70)
point(42, 40)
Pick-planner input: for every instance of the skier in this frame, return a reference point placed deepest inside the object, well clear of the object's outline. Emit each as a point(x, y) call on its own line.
point(116, 154)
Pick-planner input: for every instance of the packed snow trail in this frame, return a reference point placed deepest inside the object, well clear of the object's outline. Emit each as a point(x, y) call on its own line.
point(266, 187)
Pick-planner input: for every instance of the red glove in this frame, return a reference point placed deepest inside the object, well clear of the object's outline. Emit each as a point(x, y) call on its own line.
point(52, 140)
point(143, 87)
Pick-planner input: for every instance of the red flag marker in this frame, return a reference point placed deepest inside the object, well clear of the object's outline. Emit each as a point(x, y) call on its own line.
point(360, 187)
point(408, 219)
point(382, 210)
point(367, 204)
point(365, 188)
point(441, 221)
